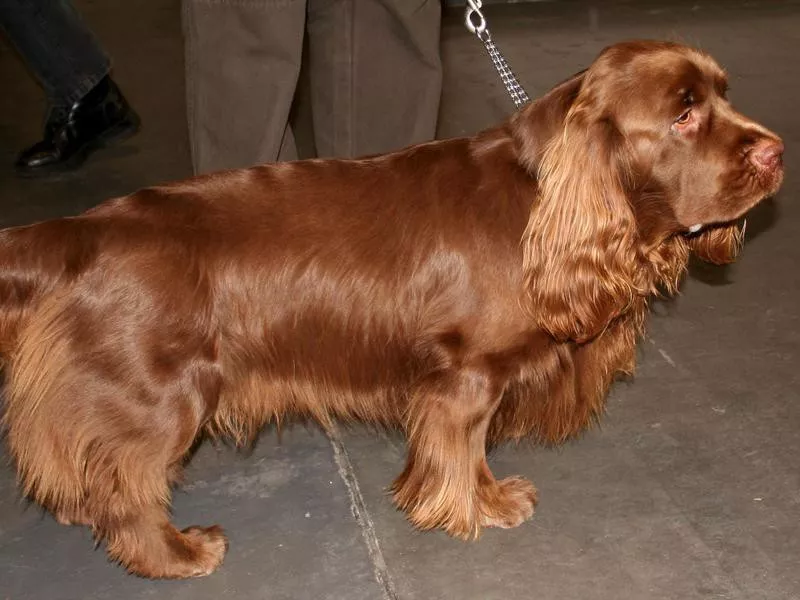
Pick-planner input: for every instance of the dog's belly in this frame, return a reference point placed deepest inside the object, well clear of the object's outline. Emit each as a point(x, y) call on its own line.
point(258, 398)
point(555, 392)
point(324, 374)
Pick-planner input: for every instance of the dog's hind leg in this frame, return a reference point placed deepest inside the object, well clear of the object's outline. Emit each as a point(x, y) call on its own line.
point(128, 494)
point(447, 482)
point(98, 429)
point(147, 544)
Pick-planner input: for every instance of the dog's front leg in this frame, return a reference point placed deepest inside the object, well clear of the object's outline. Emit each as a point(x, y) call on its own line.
point(446, 482)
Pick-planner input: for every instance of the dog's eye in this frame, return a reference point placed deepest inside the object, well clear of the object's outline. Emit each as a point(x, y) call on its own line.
point(684, 118)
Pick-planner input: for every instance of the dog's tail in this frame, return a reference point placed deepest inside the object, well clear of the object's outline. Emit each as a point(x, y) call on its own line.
point(33, 260)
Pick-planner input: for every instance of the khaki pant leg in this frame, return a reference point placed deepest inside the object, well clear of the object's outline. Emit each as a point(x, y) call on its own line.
point(242, 63)
point(375, 73)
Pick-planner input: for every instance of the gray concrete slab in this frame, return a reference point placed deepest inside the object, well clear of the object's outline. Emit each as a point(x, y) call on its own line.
point(689, 489)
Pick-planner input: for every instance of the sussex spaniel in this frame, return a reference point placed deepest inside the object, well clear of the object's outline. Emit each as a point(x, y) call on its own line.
point(468, 291)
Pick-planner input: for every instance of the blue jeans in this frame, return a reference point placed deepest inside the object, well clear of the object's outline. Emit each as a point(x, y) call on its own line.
point(57, 47)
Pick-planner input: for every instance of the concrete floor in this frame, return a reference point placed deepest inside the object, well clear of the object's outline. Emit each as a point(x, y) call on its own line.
point(691, 487)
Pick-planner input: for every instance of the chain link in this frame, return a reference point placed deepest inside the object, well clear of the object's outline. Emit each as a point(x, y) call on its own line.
point(514, 89)
point(474, 9)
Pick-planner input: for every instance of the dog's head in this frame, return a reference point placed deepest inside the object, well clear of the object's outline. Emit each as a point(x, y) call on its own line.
point(639, 159)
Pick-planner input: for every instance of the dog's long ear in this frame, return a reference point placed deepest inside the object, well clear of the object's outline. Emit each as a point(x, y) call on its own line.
point(719, 244)
point(537, 123)
point(579, 256)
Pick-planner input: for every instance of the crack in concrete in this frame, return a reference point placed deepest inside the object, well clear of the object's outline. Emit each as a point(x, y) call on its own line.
point(359, 508)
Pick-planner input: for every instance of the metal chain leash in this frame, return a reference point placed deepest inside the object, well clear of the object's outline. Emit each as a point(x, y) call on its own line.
point(513, 87)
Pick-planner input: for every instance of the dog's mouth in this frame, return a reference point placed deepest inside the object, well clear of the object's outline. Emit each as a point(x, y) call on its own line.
point(766, 182)
point(776, 180)
point(769, 186)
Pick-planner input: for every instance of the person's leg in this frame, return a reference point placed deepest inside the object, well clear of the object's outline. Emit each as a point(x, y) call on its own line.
point(376, 74)
point(86, 110)
point(242, 64)
point(57, 47)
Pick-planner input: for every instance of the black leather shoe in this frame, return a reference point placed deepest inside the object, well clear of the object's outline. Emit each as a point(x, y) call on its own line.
point(102, 116)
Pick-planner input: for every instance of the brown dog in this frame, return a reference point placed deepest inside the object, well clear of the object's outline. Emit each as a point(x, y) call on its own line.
point(469, 291)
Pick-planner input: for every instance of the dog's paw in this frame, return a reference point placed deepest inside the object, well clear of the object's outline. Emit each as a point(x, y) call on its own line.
point(509, 503)
point(209, 545)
